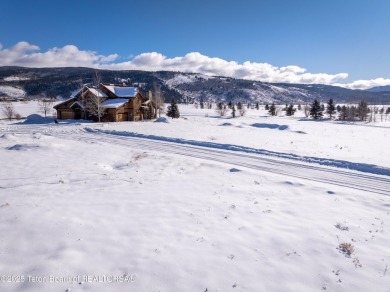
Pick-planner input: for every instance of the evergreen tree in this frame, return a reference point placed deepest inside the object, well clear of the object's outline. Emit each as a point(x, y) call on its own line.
point(233, 111)
point(257, 106)
point(330, 109)
point(362, 110)
point(201, 103)
point(351, 113)
point(299, 107)
point(230, 105)
point(343, 113)
point(387, 111)
point(290, 111)
point(173, 110)
point(267, 107)
point(239, 105)
point(272, 109)
point(316, 110)
point(338, 108)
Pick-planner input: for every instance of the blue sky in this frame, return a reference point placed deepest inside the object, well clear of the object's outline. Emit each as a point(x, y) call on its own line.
point(343, 40)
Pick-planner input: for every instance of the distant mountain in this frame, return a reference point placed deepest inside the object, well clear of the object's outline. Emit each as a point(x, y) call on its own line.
point(185, 87)
point(379, 88)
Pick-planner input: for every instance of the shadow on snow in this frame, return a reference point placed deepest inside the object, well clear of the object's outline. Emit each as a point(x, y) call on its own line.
point(362, 167)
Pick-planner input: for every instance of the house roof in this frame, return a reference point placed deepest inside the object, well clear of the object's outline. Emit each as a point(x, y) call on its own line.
point(77, 103)
point(114, 103)
point(122, 91)
point(63, 102)
point(97, 92)
point(75, 92)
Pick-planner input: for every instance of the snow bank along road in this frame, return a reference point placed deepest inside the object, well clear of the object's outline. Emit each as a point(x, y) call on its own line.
point(267, 161)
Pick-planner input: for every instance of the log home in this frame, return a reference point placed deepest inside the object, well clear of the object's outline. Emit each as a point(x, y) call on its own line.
point(117, 103)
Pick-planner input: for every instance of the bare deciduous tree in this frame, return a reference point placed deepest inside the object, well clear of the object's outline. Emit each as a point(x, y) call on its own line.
point(242, 111)
point(45, 105)
point(222, 109)
point(306, 110)
point(159, 99)
point(83, 98)
point(94, 103)
point(8, 110)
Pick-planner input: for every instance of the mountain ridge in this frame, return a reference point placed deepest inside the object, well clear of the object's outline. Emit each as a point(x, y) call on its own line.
point(185, 87)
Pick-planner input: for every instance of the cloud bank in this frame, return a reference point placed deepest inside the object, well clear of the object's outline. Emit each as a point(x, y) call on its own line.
point(28, 55)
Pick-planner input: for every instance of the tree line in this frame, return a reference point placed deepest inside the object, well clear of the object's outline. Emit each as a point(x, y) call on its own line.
point(316, 110)
point(359, 112)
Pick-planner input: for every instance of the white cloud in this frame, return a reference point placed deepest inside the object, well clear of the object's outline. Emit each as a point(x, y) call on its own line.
point(365, 84)
point(28, 55)
point(196, 62)
point(25, 54)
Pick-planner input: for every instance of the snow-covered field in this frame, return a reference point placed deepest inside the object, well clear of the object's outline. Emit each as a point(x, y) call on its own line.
point(201, 203)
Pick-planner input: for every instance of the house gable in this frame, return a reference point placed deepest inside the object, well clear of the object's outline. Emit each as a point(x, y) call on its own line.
point(122, 103)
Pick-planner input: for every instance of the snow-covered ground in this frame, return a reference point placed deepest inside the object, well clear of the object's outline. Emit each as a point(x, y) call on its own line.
point(12, 91)
point(201, 203)
point(15, 78)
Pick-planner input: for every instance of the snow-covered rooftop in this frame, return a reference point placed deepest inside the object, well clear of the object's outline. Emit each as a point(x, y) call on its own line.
point(97, 92)
point(114, 103)
point(64, 101)
point(122, 91)
point(74, 93)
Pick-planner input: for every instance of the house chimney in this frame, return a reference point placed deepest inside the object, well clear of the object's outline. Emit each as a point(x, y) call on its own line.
point(150, 95)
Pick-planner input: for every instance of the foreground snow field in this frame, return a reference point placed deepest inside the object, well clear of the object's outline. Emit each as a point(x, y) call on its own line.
point(197, 204)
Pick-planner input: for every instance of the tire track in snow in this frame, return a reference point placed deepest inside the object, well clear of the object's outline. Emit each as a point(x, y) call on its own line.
point(351, 179)
point(372, 183)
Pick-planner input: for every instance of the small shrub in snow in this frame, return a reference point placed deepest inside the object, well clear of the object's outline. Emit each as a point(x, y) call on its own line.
point(341, 227)
point(242, 111)
point(18, 117)
point(8, 110)
point(221, 109)
point(346, 248)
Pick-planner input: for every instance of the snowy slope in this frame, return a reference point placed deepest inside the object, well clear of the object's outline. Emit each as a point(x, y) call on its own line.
point(185, 87)
point(197, 204)
point(195, 87)
point(12, 91)
point(16, 78)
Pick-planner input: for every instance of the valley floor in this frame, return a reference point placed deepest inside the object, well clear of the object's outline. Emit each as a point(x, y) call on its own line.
point(201, 203)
